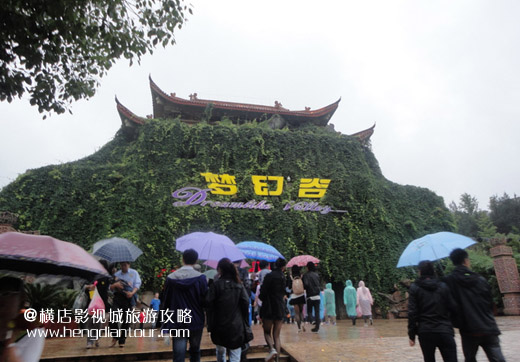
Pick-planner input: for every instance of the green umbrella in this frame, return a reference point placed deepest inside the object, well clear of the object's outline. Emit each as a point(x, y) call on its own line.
point(210, 274)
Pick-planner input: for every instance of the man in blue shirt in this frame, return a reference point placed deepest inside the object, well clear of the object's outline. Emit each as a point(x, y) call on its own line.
point(127, 283)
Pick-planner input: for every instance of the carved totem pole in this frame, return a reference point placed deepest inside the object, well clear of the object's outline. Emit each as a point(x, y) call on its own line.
point(507, 275)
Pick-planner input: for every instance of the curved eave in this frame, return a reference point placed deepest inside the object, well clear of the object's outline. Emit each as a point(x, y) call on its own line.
point(128, 118)
point(364, 135)
point(242, 107)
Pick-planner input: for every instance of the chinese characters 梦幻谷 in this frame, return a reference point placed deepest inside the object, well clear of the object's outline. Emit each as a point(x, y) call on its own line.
point(225, 184)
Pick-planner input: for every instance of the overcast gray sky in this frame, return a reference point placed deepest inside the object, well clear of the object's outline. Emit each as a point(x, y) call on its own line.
point(440, 78)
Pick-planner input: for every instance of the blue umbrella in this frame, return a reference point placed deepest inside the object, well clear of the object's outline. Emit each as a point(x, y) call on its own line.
point(210, 246)
point(433, 247)
point(259, 251)
point(116, 250)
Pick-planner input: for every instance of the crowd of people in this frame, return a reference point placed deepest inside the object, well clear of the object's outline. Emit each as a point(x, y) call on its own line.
point(234, 299)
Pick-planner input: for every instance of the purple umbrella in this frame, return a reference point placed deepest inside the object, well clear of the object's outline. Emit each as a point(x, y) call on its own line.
point(210, 246)
point(214, 263)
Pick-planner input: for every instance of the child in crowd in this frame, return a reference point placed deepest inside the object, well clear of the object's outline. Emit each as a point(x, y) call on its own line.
point(155, 304)
point(141, 318)
point(291, 311)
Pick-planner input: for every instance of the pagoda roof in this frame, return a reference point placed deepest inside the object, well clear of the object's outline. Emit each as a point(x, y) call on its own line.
point(128, 118)
point(191, 111)
point(364, 136)
point(165, 106)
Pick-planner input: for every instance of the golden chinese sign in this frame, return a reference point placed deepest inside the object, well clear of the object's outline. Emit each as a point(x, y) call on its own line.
point(226, 185)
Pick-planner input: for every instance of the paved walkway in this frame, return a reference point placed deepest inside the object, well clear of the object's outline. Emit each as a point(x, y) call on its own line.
point(386, 340)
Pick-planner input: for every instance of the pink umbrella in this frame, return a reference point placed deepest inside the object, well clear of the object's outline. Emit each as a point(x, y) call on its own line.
point(41, 254)
point(213, 263)
point(302, 260)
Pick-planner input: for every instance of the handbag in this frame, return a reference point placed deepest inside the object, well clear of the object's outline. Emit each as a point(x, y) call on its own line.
point(358, 311)
point(96, 303)
point(81, 301)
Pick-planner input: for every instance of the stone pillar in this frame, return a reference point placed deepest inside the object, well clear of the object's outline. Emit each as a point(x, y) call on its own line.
point(508, 279)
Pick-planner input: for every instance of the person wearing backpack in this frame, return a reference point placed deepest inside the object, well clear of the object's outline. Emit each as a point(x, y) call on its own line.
point(297, 296)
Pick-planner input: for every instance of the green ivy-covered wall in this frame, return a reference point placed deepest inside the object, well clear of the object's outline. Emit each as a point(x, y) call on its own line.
point(125, 189)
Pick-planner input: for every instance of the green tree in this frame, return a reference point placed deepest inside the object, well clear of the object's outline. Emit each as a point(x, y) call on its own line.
point(466, 214)
point(480, 224)
point(56, 51)
point(485, 226)
point(505, 213)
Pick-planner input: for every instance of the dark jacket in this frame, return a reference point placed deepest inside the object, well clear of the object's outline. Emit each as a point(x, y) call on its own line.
point(272, 293)
point(185, 295)
point(102, 286)
point(228, 313)
point(472, 295)
point(311, 283)
point(244, 277)
point(429, 307)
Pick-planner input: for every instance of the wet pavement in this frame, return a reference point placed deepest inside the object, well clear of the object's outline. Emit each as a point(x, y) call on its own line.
point(386, 340)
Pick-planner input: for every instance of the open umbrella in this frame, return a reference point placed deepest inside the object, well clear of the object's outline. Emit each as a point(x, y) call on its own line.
point(210, 246)
point(433, 247)
point(259, 251)
point(210, 274)
point(302, 260)
point(42, 254)
point(214, 263)
point(116, 250)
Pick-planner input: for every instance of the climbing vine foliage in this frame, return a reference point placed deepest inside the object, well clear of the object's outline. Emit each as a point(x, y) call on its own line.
point(125, 189)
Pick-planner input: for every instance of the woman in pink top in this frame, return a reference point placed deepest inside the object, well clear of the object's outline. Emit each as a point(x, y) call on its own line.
point(364, 300)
